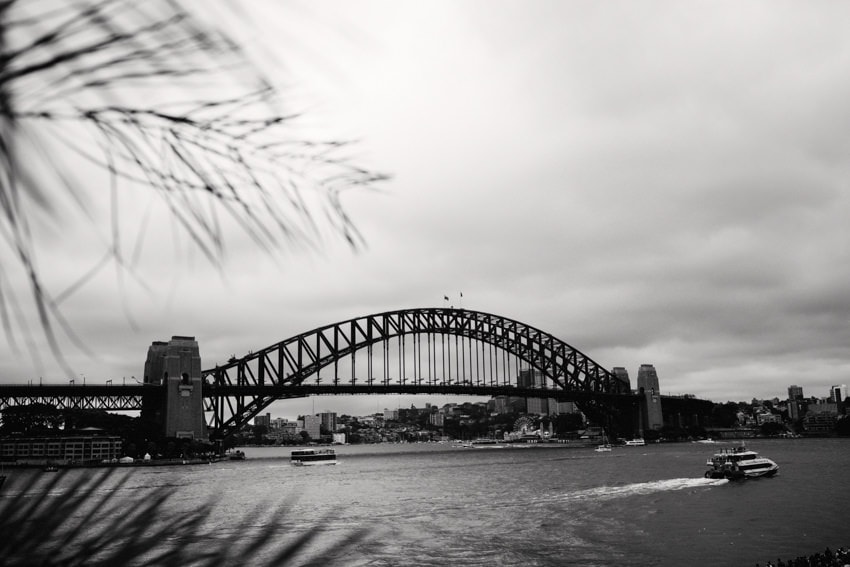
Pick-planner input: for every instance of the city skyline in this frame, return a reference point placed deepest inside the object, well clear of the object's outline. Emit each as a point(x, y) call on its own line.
point(654, 184)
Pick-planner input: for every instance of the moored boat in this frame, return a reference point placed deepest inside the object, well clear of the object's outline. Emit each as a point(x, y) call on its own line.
point(739, 463)
point(310, 457)
point(639, 442)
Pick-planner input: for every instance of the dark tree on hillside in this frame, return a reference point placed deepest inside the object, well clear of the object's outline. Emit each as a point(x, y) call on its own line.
point(31, 419)
point(724, 415)
point(771, 429)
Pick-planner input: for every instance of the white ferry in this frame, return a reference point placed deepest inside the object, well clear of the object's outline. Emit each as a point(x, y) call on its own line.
point(310, 457)
point(739, 463)
point(635, 442)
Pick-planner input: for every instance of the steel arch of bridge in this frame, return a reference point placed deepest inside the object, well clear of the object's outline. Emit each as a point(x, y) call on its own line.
point(237, 391)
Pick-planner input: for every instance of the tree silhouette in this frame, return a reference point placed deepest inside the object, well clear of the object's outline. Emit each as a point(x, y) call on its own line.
point(150, 95)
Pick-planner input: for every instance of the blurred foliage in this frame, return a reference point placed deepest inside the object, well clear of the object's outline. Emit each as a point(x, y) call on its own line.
point(91, 520)
point(99, 98)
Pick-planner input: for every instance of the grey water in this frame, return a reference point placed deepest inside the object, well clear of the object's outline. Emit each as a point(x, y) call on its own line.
point(432, 504)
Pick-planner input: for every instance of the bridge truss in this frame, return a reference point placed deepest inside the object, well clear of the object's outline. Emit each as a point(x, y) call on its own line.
point(65, 397)
point(426, 350)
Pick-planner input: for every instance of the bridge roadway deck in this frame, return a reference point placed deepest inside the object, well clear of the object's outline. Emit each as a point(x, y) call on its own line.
point(101, 396)
point(288, 391)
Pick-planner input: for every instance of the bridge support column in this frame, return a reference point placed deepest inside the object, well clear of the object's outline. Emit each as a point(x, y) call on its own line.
point(176, 367)
point(651, 416)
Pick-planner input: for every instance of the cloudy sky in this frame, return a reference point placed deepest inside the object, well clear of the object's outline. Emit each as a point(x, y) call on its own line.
point(654, 182)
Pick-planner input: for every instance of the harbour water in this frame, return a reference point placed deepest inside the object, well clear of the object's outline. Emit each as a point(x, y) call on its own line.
point(431, 504)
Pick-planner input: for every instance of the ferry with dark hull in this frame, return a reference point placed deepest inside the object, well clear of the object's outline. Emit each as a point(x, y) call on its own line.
point(739, 463)
point(312, 457)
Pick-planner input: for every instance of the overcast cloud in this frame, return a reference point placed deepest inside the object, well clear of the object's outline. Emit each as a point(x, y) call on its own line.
point(654, 182)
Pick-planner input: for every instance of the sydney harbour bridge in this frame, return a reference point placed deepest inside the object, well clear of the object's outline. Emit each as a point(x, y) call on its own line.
point(435, 351)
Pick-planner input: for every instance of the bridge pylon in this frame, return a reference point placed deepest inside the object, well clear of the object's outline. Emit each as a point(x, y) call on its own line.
point(175, 367)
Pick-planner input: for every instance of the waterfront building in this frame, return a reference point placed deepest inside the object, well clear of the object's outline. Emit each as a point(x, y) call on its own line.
point(768, 417)
point(390, 415)
point(562, 407)
point(263, 420)
point(68, 449)
point(820, 422)
point(822, 406)
point(288, 429)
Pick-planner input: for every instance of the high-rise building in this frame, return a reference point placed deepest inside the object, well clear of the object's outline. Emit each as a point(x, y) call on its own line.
point(533, 378)
point(838, 393)
point(530, 378)
point(264, 420)
point(328, 420)
point(795, 392)
point(312, 425)
point(540, 406)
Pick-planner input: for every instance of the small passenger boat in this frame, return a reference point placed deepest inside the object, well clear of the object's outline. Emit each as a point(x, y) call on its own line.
point(310, 457)
point(739, 463)
point(639, 442)
point(237, 456)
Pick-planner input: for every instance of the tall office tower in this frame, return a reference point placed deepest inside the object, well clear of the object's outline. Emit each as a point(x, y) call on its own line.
point(540, 406)
point(312, 425)
point(530, 378)
point(794, 408)
point(328, 420)
point(838, 393)
point(647, 379)
point(795, 392)
point(621, 378)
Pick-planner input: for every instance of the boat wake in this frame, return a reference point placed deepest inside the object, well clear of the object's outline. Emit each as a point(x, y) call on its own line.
point(640, 488)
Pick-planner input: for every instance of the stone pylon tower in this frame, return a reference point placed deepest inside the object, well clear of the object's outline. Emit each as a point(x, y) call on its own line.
point(651, 414)
point(176, 366)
